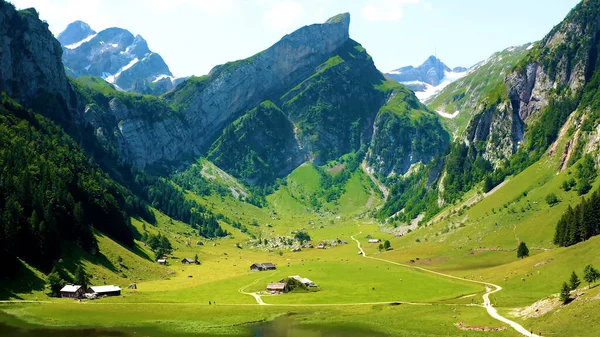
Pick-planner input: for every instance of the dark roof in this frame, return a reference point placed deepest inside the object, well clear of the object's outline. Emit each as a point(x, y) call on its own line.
point(268, 265)
point(188, 260)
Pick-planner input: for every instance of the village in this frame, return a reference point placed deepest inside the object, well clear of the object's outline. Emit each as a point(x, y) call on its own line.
point(293, 283)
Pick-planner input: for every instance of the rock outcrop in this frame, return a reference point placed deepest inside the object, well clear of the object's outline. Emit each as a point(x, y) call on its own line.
point(30, 68)
point(555, 69)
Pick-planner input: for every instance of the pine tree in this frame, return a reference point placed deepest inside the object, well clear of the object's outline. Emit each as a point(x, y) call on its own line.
point(522, 251)
point(574, 282)
point(387, 245)
point(196, 258)
point(590, 275)
point(56, 282)
point(565, 293)
point(81, 277)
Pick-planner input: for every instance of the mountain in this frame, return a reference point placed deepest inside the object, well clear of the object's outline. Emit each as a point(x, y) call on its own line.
point(76, 31)
point(117, 56)
point(546, 91)
point(459, 100)
point(429, 78)
point(324, 84)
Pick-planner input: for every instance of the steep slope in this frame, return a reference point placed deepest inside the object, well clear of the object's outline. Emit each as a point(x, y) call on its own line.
point(427, 79)
point(54, 200)
point(544, 88)
point(460, 99)
point(30, 66)
point(406, 133)
point(521, 117)
point(326, 85)
point(258, 147)
point(117, 56)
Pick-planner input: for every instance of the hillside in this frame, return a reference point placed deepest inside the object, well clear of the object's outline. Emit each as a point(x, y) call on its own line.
point(460, 99)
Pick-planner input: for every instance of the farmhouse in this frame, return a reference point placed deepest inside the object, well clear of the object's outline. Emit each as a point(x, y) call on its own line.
point(262, 266)
point(72, 291)
point(374, 241)
point(189, 261)
point(162, 261)
point(276, 288)
point(106, 290)
point(321, 246)
point(303, 280)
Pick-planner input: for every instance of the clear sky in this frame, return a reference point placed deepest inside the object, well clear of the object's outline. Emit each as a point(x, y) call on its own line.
point(195, 35)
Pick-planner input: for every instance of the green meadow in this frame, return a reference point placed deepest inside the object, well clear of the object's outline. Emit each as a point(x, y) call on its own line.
point(473, 241)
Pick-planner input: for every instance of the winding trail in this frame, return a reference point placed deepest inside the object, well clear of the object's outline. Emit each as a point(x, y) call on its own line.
point(490, 289)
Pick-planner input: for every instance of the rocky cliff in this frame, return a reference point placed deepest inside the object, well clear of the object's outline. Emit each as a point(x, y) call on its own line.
point(541, 90)
point(117, 56)
point(314, 95)
point(30, 68)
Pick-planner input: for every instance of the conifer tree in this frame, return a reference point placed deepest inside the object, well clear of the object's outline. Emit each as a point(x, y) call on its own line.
point(522, 251)
point(574, 282)
point(590, 275)
point(565, 293)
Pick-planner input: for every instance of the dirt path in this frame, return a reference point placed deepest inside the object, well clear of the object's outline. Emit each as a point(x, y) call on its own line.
point(490, 289)
point(381, 186)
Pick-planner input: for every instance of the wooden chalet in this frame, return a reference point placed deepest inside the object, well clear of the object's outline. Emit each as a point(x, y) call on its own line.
point(262, 266)
point(189, 261)
point(276, 288)
point(72, 291)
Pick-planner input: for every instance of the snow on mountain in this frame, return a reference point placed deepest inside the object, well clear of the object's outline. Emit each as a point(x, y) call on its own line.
point(116, 55)
point(430, 90)
point(429, 78)
point(77, 44)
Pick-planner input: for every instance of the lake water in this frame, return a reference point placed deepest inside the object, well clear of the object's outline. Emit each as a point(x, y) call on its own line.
point(284, 326)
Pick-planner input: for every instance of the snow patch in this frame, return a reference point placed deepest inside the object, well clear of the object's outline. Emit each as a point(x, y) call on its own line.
point(160, 77)
point(87, 68)
point(113, 78)
point(447, 115)
point(77, 44)
point(430, 91)
point(530, 46)
point(115, 45)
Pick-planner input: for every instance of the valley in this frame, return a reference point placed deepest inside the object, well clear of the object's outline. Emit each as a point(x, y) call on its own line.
point(300, 191)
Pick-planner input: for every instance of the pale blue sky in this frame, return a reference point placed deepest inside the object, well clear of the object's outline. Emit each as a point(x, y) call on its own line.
point(195, 35)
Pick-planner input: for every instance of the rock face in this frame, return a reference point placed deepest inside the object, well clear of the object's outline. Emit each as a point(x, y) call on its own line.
point(117, 56)
point(399, 141)
point(465, 96)
point(555, 69)
point(314, 95)
point(428, 77)
point(30, 67)
point(75, 32)
point(432, 72)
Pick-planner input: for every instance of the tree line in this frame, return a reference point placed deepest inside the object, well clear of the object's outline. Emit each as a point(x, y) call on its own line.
point(51, 194)
point(580, 223)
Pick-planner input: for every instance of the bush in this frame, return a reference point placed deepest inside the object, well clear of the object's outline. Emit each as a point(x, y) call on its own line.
point(552, 199)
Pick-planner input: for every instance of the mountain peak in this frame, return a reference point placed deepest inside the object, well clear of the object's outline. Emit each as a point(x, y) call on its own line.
point(76, 31)
point(340, 18)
